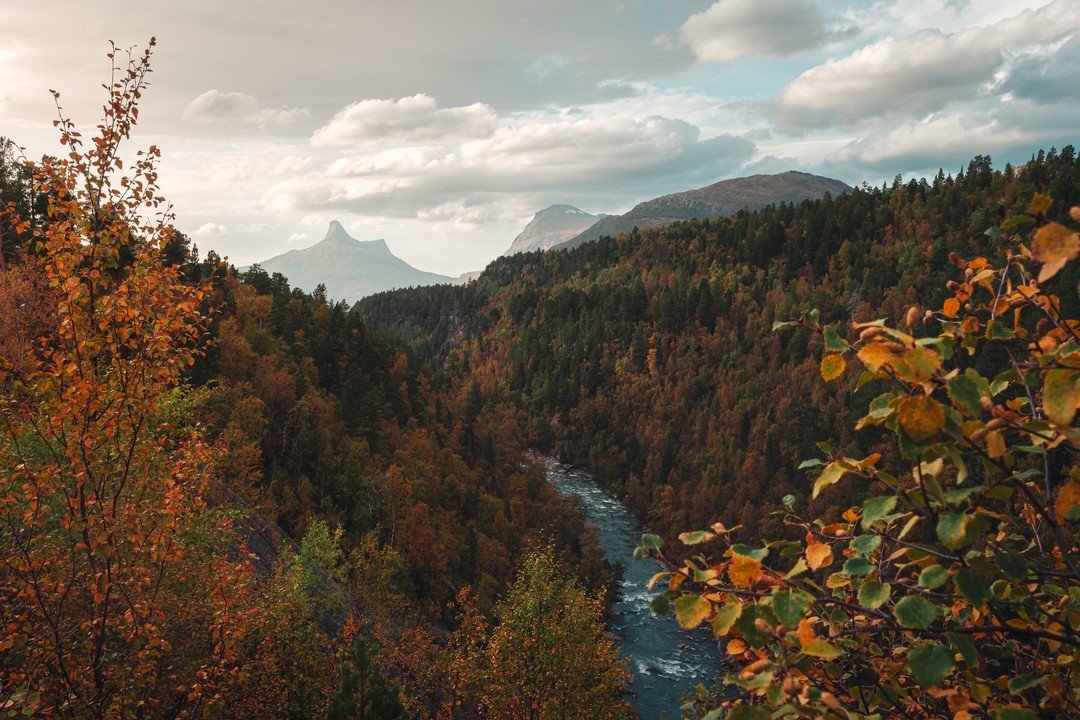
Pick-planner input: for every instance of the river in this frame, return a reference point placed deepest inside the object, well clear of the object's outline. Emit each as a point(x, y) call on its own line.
point(666, 662)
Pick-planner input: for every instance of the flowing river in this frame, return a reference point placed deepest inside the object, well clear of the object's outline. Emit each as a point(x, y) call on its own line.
point(667, 663)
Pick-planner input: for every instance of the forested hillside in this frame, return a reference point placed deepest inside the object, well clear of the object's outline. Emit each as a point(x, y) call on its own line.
point(649, 357)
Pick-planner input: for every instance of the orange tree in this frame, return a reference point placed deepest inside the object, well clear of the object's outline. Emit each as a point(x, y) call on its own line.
point(953, 588)
point(101, 473)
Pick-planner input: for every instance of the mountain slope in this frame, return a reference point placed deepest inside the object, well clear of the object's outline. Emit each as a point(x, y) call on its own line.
point(349, 268)
point(551, 226)
point(726, 197)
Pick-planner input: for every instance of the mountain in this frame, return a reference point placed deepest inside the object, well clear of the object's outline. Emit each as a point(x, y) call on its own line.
point(726, 197)
point(551, 226)
point(350, 268)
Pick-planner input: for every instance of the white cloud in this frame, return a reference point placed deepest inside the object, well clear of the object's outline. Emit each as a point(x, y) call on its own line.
point(918, 74)
point(732, 29)
point(417, 118)
point(216, 106)
point(527, 159)
point(210, 230)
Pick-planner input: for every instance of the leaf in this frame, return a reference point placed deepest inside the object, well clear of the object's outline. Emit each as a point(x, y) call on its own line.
point(972, 586)
point(933, 577)
point(691, 611)
point(1020, 683)
point(1012, 565)
point(829, 476)
point(744, 571)
point(865, 545)
point(1053, 246)
point(995, 444)
point(1067, 503)
point(789, 606)
point(915, 613)
point(660, 605)
point(726, 616)
point(832, 367)
point(876, 508)
point(952, 529)
point(858, 566)
point(951, 307)
point(919, 365)
point(876, 355)
point(651, 542)
point(1061, 395)
point(930, 663)
point(966, 391)
point(1015, 713)
point(921, 417)
point(818, 555)
point(696, 537)
point(873, 594)
point(822, 649)
point(833, 340)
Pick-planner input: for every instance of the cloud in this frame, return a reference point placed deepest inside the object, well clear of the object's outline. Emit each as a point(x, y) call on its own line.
point(527, 159)
point(732, 29)
point(915, 75)
point(1049, 77)
point(210, 230)
point(417, 118)
point(216, 106)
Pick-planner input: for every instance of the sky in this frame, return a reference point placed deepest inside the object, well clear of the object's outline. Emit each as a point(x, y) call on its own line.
point(443, 125)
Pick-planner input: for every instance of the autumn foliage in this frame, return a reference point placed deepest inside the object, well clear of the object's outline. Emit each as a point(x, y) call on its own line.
point(952, 588)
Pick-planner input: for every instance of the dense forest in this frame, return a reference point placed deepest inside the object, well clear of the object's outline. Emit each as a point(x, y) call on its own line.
point(649, 357)
point(222, 496)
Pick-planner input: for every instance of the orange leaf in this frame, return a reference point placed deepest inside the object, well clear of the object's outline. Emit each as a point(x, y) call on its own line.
point(920, 416)
point(818, 555)
point(1054, 246)
point(744, 571)
point(951, 307)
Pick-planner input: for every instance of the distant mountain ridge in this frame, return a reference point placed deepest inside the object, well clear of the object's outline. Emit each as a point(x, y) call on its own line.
point(551, 226)
point(349, 268)
point(726, 197)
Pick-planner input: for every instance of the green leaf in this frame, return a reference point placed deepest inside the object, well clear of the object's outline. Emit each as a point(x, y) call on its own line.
point(915, 613)
point(876, 508)
point(963, 645)
point(966, 391)
point(748, 713)
point(832, 367)
point(873, 594)
point(789, 606)
point(834, 342)
point(930, 663)
point(1015, 714)
point(972, 586)
point(691, 611)
point(1020, 683)
point(726, 617)
point(952, 529)
point(758, 554)
point(822, 649)
point(858, 566)
point(865, 545)
point(651, 542)
point(810, 463)
point(696, 537)
point(933, 577)
point(1012, 565)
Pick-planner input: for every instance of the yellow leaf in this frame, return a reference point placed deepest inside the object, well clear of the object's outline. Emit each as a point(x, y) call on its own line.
point(832, 366)
point(995, 444)
point(1061, 395)
point(875, 355)
point(1068, 497)
point(920, 416)
point(735, 647)
point(1054, 246)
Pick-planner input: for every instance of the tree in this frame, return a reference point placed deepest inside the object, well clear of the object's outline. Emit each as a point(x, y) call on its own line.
point(546, 656)
point(101, 476)
point(953, 589)
point(365, 693)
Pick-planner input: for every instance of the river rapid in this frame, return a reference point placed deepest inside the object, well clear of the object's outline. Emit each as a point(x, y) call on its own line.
point(667, 663)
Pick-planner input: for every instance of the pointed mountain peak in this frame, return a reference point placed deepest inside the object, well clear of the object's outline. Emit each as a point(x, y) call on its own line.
point(551, 226)
point(337, 232)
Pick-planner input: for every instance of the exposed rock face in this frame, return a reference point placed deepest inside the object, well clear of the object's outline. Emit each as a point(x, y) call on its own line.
point(723, 198)
point(349, 268)
point(551, 226)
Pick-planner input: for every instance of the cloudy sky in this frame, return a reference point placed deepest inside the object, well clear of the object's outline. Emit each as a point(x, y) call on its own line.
point(442, 125)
